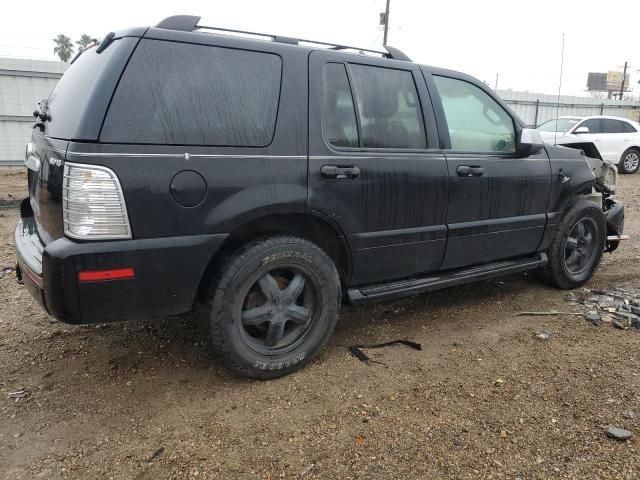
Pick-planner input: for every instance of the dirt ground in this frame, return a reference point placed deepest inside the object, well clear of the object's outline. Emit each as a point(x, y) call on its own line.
point(483, 399)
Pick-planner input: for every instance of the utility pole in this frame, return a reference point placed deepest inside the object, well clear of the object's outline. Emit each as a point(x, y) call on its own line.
point(384, 19)
point(624, 76)
point(495, 88)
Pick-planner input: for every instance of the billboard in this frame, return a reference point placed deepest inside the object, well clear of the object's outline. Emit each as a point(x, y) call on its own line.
point(610, 81)
point(614, 81)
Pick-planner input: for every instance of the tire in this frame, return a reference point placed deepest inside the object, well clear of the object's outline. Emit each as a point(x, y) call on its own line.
point(629, 161)
point(273, 306)
point(578, 246)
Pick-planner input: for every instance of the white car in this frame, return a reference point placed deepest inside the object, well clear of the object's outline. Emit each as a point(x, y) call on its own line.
point(617, 139)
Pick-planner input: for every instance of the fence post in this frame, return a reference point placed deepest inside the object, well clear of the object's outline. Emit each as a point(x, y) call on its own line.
point(535, 122)
point(602, 108)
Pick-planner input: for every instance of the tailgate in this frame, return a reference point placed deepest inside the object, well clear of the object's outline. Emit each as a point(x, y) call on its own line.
point(45, 186)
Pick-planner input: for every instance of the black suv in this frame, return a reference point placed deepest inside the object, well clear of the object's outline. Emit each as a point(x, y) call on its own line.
point(266, 180)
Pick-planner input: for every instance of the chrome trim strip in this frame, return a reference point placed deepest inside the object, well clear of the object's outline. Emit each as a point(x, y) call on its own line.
point(181, 155)
point(251, 156)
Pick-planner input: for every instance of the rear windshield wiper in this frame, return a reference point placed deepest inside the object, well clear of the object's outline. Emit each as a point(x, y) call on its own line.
point(93, 43)
point(41, 112)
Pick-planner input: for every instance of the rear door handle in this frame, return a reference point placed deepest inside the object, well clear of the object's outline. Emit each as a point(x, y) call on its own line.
point(469, 171)
point(334, 171)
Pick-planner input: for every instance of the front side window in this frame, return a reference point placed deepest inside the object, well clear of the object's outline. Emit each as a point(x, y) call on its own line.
point(184, 94)
point(389, 108)
point(593, 124)
point(339, 114)
point(477, 123)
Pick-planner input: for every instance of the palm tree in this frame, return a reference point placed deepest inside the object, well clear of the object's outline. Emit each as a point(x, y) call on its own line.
point(84, 41)
point(63, 48)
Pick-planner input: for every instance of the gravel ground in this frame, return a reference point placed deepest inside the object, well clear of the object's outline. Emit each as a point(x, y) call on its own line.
point(484, 398)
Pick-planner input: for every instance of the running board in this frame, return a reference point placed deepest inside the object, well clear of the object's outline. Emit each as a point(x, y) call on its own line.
point(447, 279)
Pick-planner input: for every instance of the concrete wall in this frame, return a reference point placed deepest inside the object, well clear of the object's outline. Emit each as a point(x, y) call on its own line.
point(525, 105)
point(23, 83)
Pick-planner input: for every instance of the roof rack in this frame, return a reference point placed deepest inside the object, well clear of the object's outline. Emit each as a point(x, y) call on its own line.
point(189, 23)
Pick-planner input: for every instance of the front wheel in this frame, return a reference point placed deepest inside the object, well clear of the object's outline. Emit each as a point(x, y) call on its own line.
point(630, 161)
point(577, 249)
point(273, 306)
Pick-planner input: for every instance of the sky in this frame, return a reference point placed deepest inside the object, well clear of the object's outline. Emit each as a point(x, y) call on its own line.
point(519, 42)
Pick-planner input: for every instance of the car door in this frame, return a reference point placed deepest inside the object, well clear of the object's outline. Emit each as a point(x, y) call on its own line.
point(375, 169)
point(497, 200)
point(596, 134)
point(616, 137)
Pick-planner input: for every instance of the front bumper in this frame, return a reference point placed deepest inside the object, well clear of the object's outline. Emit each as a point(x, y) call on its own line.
point(614, 213)
point(168, 272)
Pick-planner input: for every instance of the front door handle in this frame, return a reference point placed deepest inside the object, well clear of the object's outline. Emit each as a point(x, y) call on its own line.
point(469, 171)
point(334, 171)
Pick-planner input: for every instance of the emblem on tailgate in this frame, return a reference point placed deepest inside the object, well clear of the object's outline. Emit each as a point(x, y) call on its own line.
point(56, 162)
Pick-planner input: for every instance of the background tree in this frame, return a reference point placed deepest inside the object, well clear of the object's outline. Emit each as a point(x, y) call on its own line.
point(84, 41)
point(63, 48)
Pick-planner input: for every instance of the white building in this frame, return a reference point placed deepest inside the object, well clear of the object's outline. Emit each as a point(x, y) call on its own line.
point(22, 84)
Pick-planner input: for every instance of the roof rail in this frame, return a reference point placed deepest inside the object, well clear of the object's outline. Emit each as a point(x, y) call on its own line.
point(189, 23)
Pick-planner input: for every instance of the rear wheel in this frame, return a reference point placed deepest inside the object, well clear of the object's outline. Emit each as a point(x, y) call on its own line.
point(630, 161)
point(577, 249)
point(273, 307)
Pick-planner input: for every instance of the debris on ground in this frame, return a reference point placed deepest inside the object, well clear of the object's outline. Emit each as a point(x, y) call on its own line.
point(356, 350)
point(541, 314)
point(594, 318)
point(7, 269)
point(618, 433)
point(544, 335)
point(22, 393)
point(619, 306)
point(158, 453)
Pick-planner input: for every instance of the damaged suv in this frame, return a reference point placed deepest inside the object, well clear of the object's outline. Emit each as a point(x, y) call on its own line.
point(265, 181)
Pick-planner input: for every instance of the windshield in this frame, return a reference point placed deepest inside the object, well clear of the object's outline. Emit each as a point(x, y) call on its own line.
point(559, 125)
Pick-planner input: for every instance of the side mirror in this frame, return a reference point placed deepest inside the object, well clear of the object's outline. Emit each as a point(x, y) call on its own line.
point(530, 142)
point(580, 130)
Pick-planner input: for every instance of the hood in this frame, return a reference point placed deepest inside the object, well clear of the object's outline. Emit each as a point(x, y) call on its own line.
point(559, 138)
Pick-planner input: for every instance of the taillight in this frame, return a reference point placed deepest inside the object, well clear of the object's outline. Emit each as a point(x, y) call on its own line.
point(93, 203)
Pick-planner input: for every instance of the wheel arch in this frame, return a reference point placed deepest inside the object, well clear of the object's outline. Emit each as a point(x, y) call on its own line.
point(314, 227)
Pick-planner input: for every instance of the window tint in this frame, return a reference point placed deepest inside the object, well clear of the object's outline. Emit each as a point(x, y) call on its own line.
point(477, 123)
point(389, 108)
point(612, 126)
point(183, 94)
point(628, 128)
point(593, 124)
point(339, 115)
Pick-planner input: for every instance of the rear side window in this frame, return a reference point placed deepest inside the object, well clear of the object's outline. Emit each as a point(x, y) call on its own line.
point(184, 94)
point(389, 108)
point(628, 128)
point(339, 119)
point(612, 126)
point(477, 123)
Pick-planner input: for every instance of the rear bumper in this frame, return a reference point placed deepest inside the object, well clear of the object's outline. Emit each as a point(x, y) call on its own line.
point(167, 277)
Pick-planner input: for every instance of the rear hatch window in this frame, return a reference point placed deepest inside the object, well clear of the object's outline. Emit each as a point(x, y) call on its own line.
point(78, 103)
